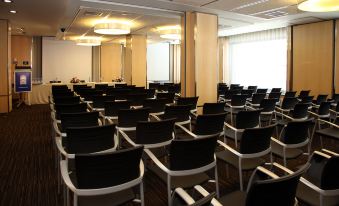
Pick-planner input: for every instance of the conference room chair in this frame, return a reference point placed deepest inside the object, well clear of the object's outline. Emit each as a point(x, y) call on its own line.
point(207, 124)
point(307, 100)
point(221, 89)
point(119, 93)
point(102, 87)
point(298, 113)
point(275, 90)
point(89, 94)
point(235, 86)
point(62, 93)
point(265, 188)
point(153, 85)
point(290, 94)
point(256, 99)
point(292, 139)
point(188, 160)
point(229, 94)
point(334, 113)
point(320, 98)
point(112, 109)
point(254, 144)
point(237, 103)
point(192, 101)
point(99, 102)
point(254, 88)
point(274, 95)
point(244, 120)
point(213, 108)
point(321, 112)
point(304, 93)
point(169, 96)
point(150, 93)
point(136, 99)
point(180, 197)
point(60, 87)
point(77, 87)
point(175, 88)
point(105, 179)
point(181, 113)
point(163, 87)
point(120, 85)
point(67, 108)
point(262, 91)
point(330, 131)
point(267, 107)
point(66, 100)
point(319, 186)
point(287, 104)
point(247, 92)
point(157, 106)
point(129, 118)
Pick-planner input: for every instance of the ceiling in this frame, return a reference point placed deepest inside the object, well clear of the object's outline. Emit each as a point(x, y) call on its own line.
point(46, 17)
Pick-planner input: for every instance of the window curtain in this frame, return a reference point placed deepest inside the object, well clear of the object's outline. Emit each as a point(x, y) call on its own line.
point(37, 59)
point(175, 63)
point(258, 58)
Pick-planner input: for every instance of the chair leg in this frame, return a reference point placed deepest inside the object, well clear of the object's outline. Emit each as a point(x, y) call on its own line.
point(142, 196)
point(240, 176)
point(75, 200)
point(284, 157)
point(216, 180)
point(169, 190)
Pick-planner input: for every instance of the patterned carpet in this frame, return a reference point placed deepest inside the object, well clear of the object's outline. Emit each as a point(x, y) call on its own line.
point(27, 173)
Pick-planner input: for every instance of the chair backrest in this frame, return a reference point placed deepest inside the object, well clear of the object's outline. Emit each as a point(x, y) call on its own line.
point(296, 132)
point(258, 97)
point(59, 87)
point(99, 101)
point(307, 99)
point(179, 112)
point(321, 98)
point(324, 108)
point(209, 124)
point(247, 92)
point(335, 98)
point(77, 87)
point(69, 108)
point(234, 86)
point(300, 111)
point(247, 119)
point(280, 191)
point(174, 88)
point(268, 105)
point(188, 101)
point(150, 93)
point(136, 99)
point(213, 108)
point(83, 119)
point(120, 85)
point(324, 171)
point(130, 117)
point(89, 94)
point(222, 88)
point(304, 93)
point(168, 96)
point(275, 90)
point(95, 171)
point(84, 140)
point(290, 94)
point(102, 87)
point(255, 140)
point(274, 95)
point(154, 132)
point(229, 93)
point(163, 87)
point(112, 108)
point(254, 88)
point(289, 102)
point(67, 100)
point(262, 91)
point(238, 100)
point(153, 85)
point(62, 93)
point(155, 105)
point(190, 154)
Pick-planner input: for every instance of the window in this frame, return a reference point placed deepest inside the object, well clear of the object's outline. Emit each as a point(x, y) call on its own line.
point(259, 58)
point(158, 62)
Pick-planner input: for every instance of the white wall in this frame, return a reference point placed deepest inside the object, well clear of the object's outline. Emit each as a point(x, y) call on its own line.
point(63, 60)
point(158, 62)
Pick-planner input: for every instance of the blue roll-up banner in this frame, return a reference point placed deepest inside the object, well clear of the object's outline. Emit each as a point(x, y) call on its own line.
point(23, 81)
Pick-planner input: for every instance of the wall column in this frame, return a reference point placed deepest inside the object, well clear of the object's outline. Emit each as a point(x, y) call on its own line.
point(5, 67)
point(110, 63)
point(135, 60)
point(200, 53)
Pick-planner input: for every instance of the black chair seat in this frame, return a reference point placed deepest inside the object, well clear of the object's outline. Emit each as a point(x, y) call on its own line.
point(291, 153)
point(236, 198)
point(118, 198)
point(234, 110)
point(229, 133)
point(309, 196)
point(180, 181)
point(247, 164)
point(329, 132)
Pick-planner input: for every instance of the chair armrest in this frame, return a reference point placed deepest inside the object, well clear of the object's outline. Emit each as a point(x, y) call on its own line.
point(284, 115)
point(187, 131)
point(282, 168)
point(233, 128)
point(250, 107)
point(204, 193)
point(278, 142)
point(157, 161)
point(314, 114)
point(183, 194)
point(126, 137)
point(155, 117)
point(327, 122)
point(56, 128)
point(65, 175)
point(267, 172)
point(59, 146)
point(230, 148)
point(330, 152)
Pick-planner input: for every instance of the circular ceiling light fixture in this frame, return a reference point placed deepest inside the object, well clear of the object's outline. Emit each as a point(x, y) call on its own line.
point(112, 28)
point(170, 32)
point(12, 11)
point(87, 41)
point(319, 5)
point(7, 1)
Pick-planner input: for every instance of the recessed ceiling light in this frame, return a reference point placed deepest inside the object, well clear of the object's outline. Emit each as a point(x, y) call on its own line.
point(88, 41)
point(13, 11)
point(112, 28)
point(7, 1)
point(319, 5)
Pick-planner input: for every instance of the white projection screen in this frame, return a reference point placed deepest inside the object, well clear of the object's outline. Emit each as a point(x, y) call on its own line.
point(63, 60)
point(158, 62)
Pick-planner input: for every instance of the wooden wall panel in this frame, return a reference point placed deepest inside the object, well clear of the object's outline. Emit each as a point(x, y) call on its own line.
point(128, 60)
point(336, 79)
point(110, 60)
point(5, 57)
point(139, 58)
point(313, 57)
point(206, 57)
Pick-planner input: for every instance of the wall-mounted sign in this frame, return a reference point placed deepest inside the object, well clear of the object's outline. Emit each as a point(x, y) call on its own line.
point(23, 81)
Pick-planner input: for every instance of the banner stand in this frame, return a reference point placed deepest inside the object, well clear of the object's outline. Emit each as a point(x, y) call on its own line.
point(22, 82)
